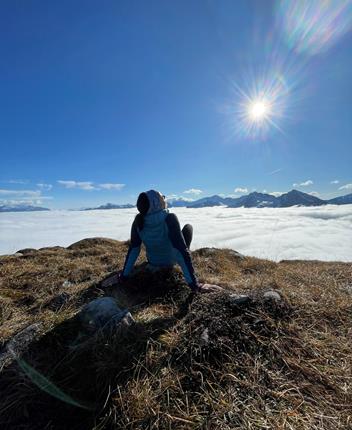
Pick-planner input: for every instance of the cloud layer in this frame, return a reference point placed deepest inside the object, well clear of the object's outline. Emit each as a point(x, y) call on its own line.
point(346, 187)
point(89, 186)
point(323, 233)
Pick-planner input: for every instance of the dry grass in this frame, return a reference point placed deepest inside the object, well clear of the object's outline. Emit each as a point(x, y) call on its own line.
point(285, 365)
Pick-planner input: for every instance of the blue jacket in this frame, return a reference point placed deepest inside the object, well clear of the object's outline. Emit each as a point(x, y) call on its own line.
point(164, 243)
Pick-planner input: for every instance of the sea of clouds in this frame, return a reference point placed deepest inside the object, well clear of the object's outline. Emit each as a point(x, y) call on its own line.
point(323, 233)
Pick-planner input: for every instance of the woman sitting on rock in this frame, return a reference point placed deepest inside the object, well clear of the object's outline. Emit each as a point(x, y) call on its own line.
point(161, 234)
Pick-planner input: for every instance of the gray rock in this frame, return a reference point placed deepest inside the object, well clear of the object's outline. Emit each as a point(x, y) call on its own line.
point(103, 312)
point(26, 251)
point(19, 344)
point(236, 254)
point(272, 295)
point(206, 252)
point(240, 299)
point(348, 288)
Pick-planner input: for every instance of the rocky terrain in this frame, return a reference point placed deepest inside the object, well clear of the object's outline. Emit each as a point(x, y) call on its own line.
point(273, 350)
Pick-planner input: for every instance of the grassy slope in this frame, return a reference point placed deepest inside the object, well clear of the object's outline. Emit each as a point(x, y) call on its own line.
point(286, 365)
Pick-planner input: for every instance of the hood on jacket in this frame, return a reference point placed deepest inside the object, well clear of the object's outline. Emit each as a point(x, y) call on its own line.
point(156, 201)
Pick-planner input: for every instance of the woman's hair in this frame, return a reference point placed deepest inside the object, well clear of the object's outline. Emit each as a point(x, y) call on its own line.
point(143, 207)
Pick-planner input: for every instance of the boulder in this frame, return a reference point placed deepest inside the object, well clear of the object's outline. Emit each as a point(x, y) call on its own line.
point(26, 251)
point(103, 312)
point(236, 254)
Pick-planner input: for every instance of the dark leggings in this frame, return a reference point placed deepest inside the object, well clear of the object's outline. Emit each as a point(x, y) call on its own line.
point(187, 233)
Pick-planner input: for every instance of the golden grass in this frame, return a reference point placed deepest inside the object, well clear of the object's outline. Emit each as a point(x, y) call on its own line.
point(285, 365)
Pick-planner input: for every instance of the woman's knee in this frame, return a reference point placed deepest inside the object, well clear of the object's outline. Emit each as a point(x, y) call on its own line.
point(187, 233)
point(187, 227)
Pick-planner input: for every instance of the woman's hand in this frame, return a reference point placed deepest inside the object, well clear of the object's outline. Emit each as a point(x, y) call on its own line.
point(113, 280)
point(209, 288)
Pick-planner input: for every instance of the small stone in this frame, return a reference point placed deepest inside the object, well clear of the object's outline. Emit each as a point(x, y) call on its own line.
point(66, 284)
point(348, 288)
point(204, 337)
point(240, 299)
point(210, 288)
point(272, 295)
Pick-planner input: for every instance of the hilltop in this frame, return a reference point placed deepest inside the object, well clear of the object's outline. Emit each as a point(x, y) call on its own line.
point(203, 362)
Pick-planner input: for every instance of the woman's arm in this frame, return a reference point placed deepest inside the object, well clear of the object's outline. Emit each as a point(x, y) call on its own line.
point(133, 250)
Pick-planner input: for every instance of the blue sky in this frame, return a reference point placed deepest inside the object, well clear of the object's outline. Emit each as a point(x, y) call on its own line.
point(102, 100)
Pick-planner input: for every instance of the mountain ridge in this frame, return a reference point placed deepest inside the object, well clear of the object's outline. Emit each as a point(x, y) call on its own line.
point(255, 199)
point(251, 200)
point(22, 208)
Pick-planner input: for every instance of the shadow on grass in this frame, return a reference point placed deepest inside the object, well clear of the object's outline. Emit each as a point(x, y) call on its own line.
point(65, 380)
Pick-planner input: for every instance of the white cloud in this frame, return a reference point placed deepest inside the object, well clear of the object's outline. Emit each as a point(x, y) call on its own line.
point(46, 187)
point(112, 186)
point(346, 187)
point(18, 193)
point(277, 193)
point(15, 202)
point(17, 181)
point(304, 184)
point(284, 233)
point(176, 197)
point(231, 196)
point(30, 201)
point(88, 186)
point(193, 191)
point(241, 190)
point(314, 193)
point(336, 181)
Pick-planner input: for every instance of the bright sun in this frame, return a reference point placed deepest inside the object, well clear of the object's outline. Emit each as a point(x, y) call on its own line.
point(258, 110)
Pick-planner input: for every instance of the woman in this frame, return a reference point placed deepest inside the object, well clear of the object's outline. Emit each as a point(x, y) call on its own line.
point(164, 241)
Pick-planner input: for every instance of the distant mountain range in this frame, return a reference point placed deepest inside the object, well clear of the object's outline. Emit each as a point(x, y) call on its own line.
point(110, 206)
point(21, 208)
point(252, 200)
point(262, 200)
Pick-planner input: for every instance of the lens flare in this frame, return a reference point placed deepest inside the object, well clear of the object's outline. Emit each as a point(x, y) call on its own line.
point(313, 26)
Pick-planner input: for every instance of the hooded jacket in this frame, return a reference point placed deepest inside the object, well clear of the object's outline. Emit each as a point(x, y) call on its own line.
point(163, 240)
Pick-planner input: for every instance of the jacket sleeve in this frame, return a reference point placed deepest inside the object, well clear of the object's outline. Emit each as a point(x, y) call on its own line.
point(133, 250)
point(183, 254)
